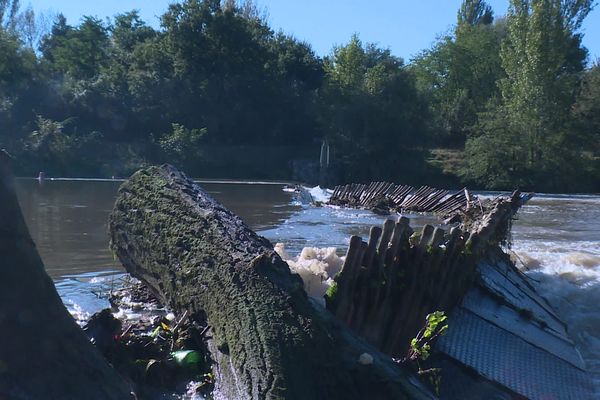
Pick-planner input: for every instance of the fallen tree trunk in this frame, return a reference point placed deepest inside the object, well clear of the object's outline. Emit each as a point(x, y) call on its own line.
point(43, 353)
point(269, 341)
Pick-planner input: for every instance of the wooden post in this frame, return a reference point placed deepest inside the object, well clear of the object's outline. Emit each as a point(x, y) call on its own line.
point(388, 298)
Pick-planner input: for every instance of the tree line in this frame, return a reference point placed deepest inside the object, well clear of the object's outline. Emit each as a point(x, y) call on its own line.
point(497, 102)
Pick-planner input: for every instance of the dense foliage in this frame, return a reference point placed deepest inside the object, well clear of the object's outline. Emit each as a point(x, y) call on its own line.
point(497, 102)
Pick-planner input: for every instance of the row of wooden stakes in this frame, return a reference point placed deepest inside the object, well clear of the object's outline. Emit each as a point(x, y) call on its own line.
point(389, 284)
point(387, 197)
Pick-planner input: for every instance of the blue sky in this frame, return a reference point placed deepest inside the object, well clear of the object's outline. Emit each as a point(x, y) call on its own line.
point(405, 26)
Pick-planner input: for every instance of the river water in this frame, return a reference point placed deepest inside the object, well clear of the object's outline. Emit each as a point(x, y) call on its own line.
point(556, 240)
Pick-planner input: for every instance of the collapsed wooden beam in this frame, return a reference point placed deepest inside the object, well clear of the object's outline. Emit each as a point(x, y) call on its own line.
point(269, 341)
point(43, 353)
point(389, 197)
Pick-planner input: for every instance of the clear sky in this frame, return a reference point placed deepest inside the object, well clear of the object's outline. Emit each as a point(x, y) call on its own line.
point(405, 26)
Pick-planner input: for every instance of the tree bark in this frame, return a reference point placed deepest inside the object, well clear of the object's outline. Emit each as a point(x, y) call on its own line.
point(269, 340)
point(43, 353)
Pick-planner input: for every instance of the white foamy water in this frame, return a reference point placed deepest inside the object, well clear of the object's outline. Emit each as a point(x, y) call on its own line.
point(319, 194)
point(316, 266)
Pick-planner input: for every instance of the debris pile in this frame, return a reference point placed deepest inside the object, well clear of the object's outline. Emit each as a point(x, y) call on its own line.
point(159, 352)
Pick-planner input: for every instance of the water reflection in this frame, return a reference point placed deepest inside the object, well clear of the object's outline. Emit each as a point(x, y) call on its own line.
point(68, 219)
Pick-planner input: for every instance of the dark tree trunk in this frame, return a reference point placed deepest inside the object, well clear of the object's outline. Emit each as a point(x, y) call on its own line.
point(43, 353)
point(269, 341)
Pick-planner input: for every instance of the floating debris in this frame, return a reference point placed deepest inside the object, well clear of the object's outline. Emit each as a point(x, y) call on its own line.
point(160, 352)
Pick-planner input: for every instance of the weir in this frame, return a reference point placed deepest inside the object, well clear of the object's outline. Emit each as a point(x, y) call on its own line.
point(503, 340)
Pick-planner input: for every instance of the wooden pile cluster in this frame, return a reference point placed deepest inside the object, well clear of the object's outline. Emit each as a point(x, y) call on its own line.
point(386, 197)
point(389, 284)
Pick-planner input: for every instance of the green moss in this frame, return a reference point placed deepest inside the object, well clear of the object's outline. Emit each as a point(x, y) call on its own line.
point(467, 251)
point(331, 296)
point(332, 291)
point(414, 239)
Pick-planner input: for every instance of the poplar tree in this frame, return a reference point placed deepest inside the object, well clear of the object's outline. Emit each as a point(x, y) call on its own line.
point(541, 68)
point(527, 135)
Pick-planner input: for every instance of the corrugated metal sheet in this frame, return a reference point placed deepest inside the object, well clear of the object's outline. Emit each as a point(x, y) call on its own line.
point(522, 326)
point(509, 334)
point(505, 358)
point(503, 279)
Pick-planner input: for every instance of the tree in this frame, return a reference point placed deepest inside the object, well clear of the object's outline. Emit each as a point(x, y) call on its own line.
point(586, 114)
point(17, 72)
point(182, 146)
point(540, 83)
point(129, 30)
point(237, 78)
point(542, 58)
point(371, 110)
point(9, 13)
point(459, 74)
point(79, 52)
point(587, 108)
point(474, 12)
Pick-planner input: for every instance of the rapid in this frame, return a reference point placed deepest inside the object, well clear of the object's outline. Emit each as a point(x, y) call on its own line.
point(555, 241)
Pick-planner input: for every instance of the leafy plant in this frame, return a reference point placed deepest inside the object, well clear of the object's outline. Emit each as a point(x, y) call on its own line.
point(182, 145)
point(420, 346)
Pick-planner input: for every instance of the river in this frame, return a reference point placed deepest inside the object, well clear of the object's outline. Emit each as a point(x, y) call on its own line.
point(556, 240)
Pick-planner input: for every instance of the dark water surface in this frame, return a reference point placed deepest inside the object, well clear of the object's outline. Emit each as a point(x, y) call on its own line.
point(68, 218)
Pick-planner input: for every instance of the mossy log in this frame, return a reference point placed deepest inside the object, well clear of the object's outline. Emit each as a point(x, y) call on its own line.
point(269, 340)
point(43, 353)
